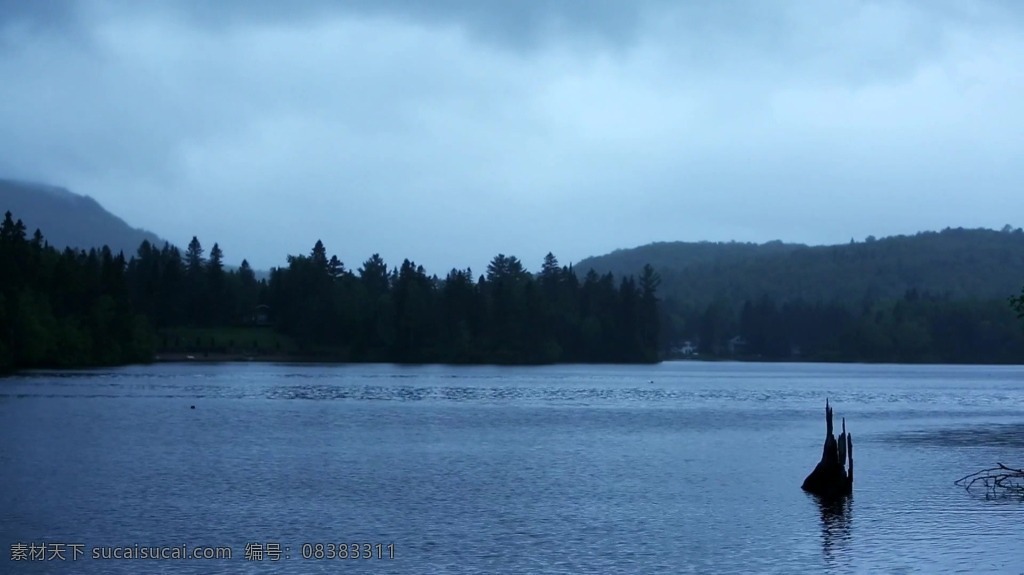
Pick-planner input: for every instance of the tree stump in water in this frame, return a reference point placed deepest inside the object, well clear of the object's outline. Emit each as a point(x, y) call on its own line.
point(830, 478)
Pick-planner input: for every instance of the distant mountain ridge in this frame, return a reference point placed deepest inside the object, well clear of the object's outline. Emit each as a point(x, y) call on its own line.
point(956, 263)
point(70, 220)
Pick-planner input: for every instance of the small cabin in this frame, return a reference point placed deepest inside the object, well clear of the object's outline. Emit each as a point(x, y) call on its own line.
point(687, 349)
point(737, 345)
point(261, 315)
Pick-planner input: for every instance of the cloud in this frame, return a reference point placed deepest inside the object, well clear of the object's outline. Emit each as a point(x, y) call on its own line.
point(448, 132)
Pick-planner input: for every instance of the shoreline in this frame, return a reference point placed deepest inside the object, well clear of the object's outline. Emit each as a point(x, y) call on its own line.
point(201, 357)
point(219, 357)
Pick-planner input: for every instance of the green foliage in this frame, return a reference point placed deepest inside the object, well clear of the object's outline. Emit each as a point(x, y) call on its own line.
point(65, 309)
point(239, 341)
point(1017, 303)
point(917, 328)
point(959, 263)
point(934, 296)
point(771, 302)
point(507, 316)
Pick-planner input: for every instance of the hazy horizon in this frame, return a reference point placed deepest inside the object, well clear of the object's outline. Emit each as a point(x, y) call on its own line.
point(533, 266)
point(449, 132)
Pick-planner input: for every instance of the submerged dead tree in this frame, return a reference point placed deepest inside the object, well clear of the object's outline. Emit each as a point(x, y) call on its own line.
point(830, 478)
point(998, 482)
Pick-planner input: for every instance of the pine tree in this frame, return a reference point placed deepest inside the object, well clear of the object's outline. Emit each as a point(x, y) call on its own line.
point(217, 305)
point(650, 324)
point(319, 256)
point(196, 294)
point(335, 268)
point(194, 260)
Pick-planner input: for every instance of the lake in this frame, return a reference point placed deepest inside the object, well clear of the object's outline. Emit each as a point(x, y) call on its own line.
point(682, 467)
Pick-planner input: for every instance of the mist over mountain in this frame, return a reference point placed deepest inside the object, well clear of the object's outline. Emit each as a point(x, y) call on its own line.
point(67, 219)
point(955, 263)
point(939, 297)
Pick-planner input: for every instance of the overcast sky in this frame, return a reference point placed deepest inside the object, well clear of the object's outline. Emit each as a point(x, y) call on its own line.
point(448, 131)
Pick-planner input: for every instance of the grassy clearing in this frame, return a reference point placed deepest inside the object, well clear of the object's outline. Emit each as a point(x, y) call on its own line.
point(251, 340)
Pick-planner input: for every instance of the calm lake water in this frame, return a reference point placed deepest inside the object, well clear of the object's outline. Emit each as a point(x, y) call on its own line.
point(674, 468)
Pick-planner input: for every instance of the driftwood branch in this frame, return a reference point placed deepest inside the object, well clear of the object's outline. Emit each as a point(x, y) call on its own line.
point(998, 482)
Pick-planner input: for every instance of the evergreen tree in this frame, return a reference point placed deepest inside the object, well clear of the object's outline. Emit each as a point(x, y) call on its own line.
point(88, 308)
point(335, 268)
point(195, 263)
point(196, 294)
point(217, 295)
point(64, 309)
point(1017, 303)
point(244, 293)
point(650, 321)
point(550, 272)
point(318, 256)
point(374, 276)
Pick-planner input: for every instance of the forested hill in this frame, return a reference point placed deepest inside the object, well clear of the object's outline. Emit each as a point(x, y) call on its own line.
point(937, 297)
point(70, 220)
point(953, 264)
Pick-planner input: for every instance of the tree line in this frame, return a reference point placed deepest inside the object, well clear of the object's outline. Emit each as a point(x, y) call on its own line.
point(927, 297)
point(79, 308)
point(507, 315)
point(65, 309)
point(964, 264)
point(917, 328)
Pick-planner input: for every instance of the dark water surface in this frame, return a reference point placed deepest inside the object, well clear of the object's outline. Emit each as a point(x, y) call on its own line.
point(675, 468)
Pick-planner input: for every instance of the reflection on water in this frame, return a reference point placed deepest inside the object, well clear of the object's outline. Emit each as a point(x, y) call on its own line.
point(566, 469)
point(835, 525)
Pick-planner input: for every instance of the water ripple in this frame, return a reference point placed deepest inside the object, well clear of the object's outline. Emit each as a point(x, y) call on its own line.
point(679, 468)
